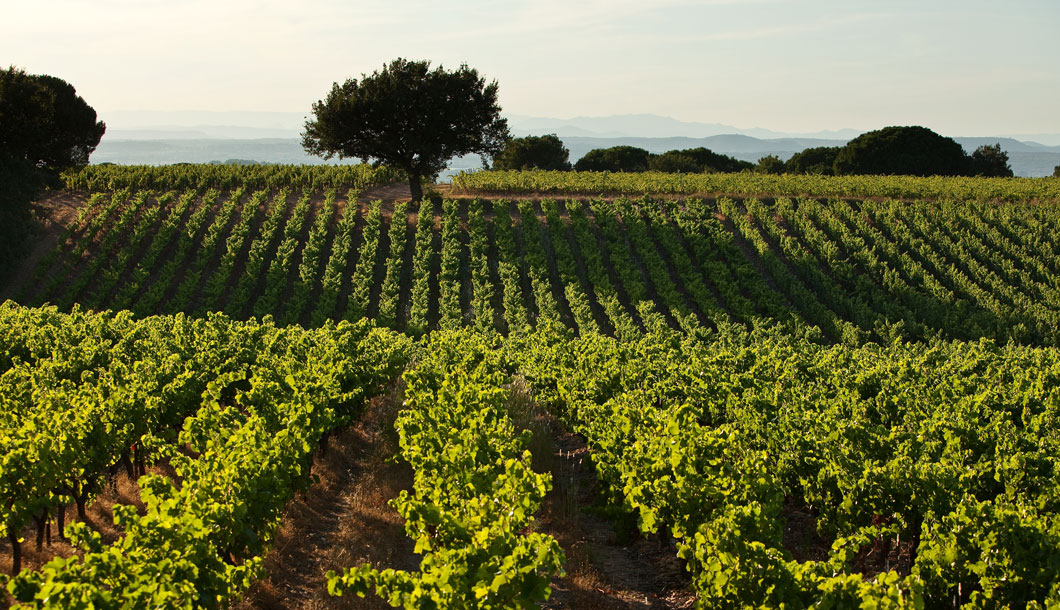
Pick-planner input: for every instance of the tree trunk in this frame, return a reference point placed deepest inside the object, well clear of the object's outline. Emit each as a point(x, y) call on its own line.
point(41, 522)
point(16, 552)
point(60, 521)
point(138, 461)
point(127, 462)
point(918, 530)
point(415, 186)
point(80, 497)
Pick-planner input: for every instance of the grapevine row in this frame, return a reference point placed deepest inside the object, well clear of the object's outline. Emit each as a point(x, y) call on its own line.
point(474, 494)
point(247, 402)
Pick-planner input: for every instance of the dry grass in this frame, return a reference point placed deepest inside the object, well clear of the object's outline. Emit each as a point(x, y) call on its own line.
point(343, 520)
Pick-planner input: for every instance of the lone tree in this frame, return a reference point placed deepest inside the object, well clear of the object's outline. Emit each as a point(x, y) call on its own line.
point(45, 128)
point(534, 152)
point(409, 116)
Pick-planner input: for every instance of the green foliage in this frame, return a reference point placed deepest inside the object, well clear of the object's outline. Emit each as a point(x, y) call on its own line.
point(674, 162)
point(450, 311)
point(44, 124)
point(990, 161)
point(873, 269)
point(213, 221)
point(763, 185)
point(819, 160)
point(943, 453)
point(246, 402)
point(696, 160)
point(482, 287)
point(533, 152)
point(408, 116)
point(390, 290)
point(422, 261)
point(45, 127)
point(474, 494)
point(770, 164)
point(179, 176)
point(362, 279)
point(774, 358)
point(935, 450)
point(1005, 553)
point(614, 159)
point(912, 151)
point(632, 159)
point(18, 187)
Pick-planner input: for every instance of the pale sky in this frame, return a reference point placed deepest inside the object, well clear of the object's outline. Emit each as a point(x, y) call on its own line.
point(965, 68)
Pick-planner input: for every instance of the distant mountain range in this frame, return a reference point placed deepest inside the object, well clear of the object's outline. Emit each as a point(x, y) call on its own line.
point(651, 126)
point(273, 137)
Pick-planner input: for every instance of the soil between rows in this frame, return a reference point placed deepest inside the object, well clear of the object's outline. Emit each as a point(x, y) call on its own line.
point(344, 520)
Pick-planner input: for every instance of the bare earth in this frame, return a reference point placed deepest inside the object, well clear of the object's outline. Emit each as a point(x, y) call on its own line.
point(344, 520)
point(54, 213)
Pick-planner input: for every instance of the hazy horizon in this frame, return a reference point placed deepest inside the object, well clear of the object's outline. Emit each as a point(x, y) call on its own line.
point(145, 124)
point(962, 68)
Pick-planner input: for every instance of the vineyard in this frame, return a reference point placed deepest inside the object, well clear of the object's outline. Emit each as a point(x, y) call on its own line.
point(307, 248)
point(814, 392)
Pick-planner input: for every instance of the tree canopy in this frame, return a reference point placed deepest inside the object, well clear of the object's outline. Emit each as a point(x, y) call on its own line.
point(633, 159)
point(674, 161)
point(770, 164)
point(534, 152)
point(817, 160)
point(990, 161)
point(409, 116)
point(913, 151)
point(696, 160)
point(45, 127)
point(614, 159)
point(44, 124)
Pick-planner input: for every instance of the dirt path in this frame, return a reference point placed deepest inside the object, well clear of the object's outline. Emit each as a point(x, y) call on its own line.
point(609, 564)
point(342, 521)
point(388, 194)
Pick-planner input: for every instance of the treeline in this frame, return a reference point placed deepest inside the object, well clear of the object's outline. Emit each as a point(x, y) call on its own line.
point(911, 151)
point(548, 153)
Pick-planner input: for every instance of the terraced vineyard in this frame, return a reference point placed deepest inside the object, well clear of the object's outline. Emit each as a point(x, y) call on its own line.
point(816, 393)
